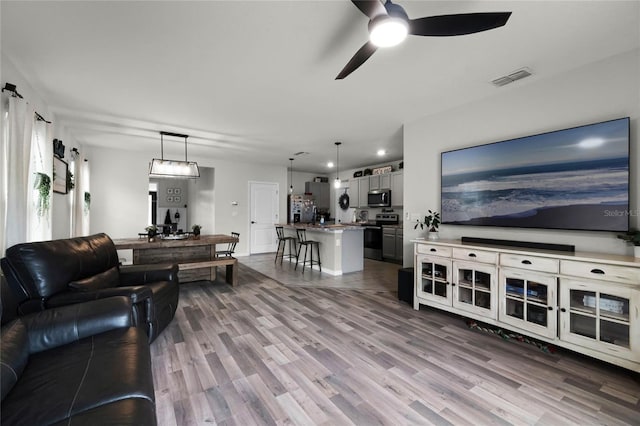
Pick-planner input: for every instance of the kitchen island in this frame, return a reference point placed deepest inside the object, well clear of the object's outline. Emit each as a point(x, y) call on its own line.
point(196, 258)
point(341, 246)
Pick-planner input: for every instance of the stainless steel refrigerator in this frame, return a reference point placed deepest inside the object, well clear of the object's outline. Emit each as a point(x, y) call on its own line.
point(301, 208)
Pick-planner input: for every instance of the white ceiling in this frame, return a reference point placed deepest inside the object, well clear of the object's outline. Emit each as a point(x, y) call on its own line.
point(254, 80)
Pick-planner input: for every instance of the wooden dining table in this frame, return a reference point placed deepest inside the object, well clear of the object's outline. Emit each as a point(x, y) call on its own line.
point(196, 258)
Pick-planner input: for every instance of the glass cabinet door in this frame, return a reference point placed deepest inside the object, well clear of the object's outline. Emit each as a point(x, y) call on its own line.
point(434, 278)
point(598, 316)
point(528, 301)
point(474, 288)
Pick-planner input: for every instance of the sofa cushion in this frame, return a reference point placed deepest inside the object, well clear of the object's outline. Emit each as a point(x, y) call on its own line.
point(107, 279)
point(41, 269)
point(14, 354)
point(84, 375)
point(165, 300)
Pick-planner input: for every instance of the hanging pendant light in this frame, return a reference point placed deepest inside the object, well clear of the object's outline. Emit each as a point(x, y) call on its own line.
point(337, 183)
point(291, 176)
point(161, 168)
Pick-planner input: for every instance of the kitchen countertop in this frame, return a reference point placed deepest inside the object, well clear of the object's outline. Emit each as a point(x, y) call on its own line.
point(398, 225)
point(324, 228)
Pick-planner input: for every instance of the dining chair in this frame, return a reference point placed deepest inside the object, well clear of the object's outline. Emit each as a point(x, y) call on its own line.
point(230, 248)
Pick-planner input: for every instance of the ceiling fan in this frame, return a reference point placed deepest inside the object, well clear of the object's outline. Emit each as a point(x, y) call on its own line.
point(389, 25)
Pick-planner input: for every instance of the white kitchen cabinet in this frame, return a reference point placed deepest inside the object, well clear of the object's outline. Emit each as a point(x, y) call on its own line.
point(397, 189)
point(354, 193)
point(363, 192)
point(374, 182)
point(385, 181)
point(586, 302)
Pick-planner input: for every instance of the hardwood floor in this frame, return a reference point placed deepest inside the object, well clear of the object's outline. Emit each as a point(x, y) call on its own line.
point(296, 350)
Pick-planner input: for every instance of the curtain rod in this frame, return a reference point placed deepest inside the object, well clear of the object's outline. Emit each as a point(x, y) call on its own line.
point(12, 88)
point(14, 92)
point(41, 118)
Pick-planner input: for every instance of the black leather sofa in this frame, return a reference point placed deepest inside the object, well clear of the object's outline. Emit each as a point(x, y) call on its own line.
point(48, 274)
point(82, 364)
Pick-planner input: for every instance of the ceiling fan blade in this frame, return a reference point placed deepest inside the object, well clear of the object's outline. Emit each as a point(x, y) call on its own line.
point(454, 25)
point(358, 59)
point(371, 8)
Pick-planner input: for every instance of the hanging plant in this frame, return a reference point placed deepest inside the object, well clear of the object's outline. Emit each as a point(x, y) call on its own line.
point(70, 181)
point(43, 185)
point(87, 202)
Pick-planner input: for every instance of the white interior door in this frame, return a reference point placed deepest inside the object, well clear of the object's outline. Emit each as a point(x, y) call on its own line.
point(264, 214)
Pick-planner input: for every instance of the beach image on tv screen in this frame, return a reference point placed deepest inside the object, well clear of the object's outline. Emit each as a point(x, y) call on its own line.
point(569, 179)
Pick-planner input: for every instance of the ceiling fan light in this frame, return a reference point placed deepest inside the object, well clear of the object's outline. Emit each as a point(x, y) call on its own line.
point(388, 32)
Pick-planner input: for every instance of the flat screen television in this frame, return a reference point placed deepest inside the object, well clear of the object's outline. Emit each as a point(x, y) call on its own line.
point(575, 178)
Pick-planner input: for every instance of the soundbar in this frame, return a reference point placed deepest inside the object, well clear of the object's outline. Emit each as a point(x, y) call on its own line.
point(519, 244)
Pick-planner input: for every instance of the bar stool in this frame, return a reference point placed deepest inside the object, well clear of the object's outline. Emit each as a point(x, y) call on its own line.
point(282, 243)
point(302, 241)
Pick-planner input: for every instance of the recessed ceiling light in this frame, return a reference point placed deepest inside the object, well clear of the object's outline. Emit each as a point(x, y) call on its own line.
point(330, 164)
point(381, 152)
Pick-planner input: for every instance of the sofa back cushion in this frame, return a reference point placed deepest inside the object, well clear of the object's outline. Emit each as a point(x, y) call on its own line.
point(107, 279)
point(14, 353)
point(44, 268)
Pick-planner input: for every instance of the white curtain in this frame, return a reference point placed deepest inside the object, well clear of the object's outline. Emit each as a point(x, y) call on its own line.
point(81, 208)
point(41, 166)
point(18, 120)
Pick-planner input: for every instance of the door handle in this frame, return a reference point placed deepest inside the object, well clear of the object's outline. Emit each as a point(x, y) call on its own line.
point(253, 221)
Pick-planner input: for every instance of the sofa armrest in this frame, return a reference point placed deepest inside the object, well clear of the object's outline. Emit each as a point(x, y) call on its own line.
point(137, 294)
point(147, 274)
point(66, 324)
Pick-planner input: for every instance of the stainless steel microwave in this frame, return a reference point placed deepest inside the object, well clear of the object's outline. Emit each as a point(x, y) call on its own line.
point(379, 198)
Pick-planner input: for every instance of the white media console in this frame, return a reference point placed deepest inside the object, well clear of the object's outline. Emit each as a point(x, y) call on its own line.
point(586, 302)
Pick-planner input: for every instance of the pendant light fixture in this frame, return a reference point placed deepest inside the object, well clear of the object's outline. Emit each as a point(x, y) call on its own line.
point(291, 176)
point(161, 168)
point(336, 183)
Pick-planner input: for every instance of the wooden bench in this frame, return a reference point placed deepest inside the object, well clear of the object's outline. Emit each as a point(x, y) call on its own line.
point(231, 263)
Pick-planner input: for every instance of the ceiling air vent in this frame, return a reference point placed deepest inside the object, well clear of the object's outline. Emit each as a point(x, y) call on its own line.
point(516, 75)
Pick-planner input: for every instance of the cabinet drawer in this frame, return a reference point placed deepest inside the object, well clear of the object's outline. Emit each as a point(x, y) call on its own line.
point(475, 255)
point(532, 263)
point(599, 271)
point(434, 250)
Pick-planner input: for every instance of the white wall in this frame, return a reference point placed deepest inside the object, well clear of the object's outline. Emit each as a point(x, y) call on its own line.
point(601, 91)
point(120, 187)
point(119, 191)
point(202, 208)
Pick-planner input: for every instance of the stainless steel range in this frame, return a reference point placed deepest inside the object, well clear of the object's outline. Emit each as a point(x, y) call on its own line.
point(373, 234)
